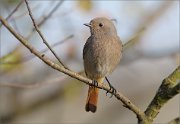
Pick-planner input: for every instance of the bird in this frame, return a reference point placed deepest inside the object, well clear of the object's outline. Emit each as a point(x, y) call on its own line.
point(102, 53)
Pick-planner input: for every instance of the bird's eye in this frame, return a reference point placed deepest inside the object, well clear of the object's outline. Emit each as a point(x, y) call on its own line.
point(100, 24)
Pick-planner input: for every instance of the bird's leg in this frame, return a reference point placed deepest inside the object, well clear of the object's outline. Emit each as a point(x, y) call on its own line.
point(111, 87)
point(94, 83)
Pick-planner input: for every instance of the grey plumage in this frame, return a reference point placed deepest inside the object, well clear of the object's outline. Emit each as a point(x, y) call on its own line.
point(102, 50)
point(101, 55)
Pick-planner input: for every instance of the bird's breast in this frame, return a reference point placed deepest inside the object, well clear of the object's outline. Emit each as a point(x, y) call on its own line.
point(102, 56)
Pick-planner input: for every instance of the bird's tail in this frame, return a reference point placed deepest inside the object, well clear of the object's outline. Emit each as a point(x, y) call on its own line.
point(92, 99)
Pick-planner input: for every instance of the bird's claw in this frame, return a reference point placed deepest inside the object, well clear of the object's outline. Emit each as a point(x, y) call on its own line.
point(113, 90)
point(94, 83)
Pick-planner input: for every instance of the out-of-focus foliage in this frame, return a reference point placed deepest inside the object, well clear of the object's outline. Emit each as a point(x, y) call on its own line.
point(9, 61)
point(85, 5)
point(72, 90)
point(9, 2)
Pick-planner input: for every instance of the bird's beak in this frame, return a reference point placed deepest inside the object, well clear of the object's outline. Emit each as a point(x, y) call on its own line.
point(87, 24)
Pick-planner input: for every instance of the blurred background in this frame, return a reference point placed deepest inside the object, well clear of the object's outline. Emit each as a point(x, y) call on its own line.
point(32, 92)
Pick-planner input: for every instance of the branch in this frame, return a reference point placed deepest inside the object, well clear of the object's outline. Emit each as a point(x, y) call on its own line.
point(118, 95)
point(12, 18)
point(20, 15)
point(44, 18)
point(41, 35)
point(147, 22)
point(53, 45)
point(168, 89)
point(17, 7)
point(134, 39)
point(175, 121)
point(50, 13)
point(30, 57)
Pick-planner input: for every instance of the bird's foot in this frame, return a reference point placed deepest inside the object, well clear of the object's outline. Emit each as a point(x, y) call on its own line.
point(94, 83)
point(111, 88)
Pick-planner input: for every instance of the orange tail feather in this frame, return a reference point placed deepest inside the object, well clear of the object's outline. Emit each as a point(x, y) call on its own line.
point(92, 99)
point(91, 104)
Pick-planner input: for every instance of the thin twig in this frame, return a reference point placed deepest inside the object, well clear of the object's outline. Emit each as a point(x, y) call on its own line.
point(147, 22)
point(20, 3)
point(41, 35)
point(118, 95)
point(134, 39)
point(17, 7)
point(45, 18)
point(30, 57)
point(46, 49)
point(27, 58)
point(50, 13)
point(13, 20)
point(25, 12)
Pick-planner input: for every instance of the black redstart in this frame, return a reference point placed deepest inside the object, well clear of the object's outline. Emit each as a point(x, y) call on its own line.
point(102, 53)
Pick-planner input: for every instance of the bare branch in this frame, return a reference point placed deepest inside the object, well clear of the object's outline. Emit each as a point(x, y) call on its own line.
point(30, 57)
point(118, 95)
point(17, 7)
point(16, 17)
point(134, 39)
point(53, 45)
point(147, 22)
point(13, 20)
point(41, 35)
point(27, 58)
point(50, 13)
